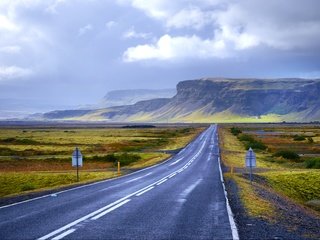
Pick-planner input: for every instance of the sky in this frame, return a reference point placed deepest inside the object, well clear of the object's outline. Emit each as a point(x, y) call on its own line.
point(65, 53)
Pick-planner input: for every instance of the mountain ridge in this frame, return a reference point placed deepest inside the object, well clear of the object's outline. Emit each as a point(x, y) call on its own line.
point(219, 99)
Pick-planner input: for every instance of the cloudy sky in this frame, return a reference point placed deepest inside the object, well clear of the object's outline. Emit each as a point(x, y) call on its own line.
point(71, 52)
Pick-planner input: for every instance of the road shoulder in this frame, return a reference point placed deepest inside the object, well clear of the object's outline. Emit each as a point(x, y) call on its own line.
point(290, 220)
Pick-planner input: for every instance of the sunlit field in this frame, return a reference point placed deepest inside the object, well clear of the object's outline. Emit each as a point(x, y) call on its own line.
point(40, 158)
point(288, 160)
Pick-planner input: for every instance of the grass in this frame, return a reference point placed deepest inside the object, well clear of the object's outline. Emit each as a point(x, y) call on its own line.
point(233, 151)
point(285, 171)
point(35, 158)
point(301, 186)
point(253, 204)
point(15, 183)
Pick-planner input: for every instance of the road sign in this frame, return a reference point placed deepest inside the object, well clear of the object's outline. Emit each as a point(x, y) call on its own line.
point(250, 159)
point(76, 158)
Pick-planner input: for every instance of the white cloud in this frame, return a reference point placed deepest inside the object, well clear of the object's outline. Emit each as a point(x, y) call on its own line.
point(156, 8)
point(7, 24)
point(83, 30)
point(111, 24)
point(131, 33)
point(10, 49)
point(13, 72)
point(239, 25)
point(52, 8)
point(240, 40)
point(192, 17)
point(168, 47)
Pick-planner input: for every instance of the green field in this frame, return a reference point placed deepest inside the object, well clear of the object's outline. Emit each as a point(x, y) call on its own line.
point(33, 158)
point(288, 161)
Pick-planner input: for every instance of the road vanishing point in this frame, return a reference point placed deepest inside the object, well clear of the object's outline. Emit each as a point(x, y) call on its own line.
point(181, 198)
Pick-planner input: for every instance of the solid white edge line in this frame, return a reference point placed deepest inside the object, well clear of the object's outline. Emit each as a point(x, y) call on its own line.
point(62, 235)
point(147, 190)
point(110, 209)
point(233, 226)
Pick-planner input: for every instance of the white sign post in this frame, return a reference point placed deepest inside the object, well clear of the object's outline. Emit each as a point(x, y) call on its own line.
point(77, 160)
point(250, 161)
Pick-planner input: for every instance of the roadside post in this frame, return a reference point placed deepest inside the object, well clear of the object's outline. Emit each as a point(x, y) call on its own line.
point(250, 161)
point(118, 168)
point(77, 160)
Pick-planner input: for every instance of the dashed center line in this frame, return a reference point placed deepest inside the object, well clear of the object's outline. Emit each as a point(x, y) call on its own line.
point(110, 209)
point(62, 235)
point(147, 190)
point(176, 162)
point(120, 202)
point(159, 183)
point(173, 175)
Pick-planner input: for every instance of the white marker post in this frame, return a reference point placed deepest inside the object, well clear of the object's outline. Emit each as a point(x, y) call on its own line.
point(77, 160)
point(250, 161)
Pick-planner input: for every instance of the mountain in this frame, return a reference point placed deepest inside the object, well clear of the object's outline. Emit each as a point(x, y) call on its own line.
point(132, 96)
point(15, 108)
point(218, 100)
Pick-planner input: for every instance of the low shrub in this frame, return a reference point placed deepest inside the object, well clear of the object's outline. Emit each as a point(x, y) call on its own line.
point(235, 131)
point(124, 158)
point(312, 163)
point(299, 138)
point(256, 145)
point(19, 141)
point(6, 151)
point(250, 142)
point(246, 138)
point(310, 140)
point(287, 154)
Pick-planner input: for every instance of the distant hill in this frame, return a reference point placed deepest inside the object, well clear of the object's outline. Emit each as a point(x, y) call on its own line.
point(218, 100)
point(132, 96)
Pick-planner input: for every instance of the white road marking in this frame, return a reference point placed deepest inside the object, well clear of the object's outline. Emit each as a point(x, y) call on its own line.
point(79, 220)
point(118, 202)
point(147, 190)
point(84, 186)
point(110, 209)
point(173, 175)
point(135, 179)
point(62, 235)
point(176, 162)
point(159, 183)
point(187, 191)
point(234, 230)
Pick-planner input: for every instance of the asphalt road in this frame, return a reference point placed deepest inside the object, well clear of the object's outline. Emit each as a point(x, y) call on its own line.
point(182, 198)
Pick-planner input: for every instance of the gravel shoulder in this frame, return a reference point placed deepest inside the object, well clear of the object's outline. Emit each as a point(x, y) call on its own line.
point(291, 221)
